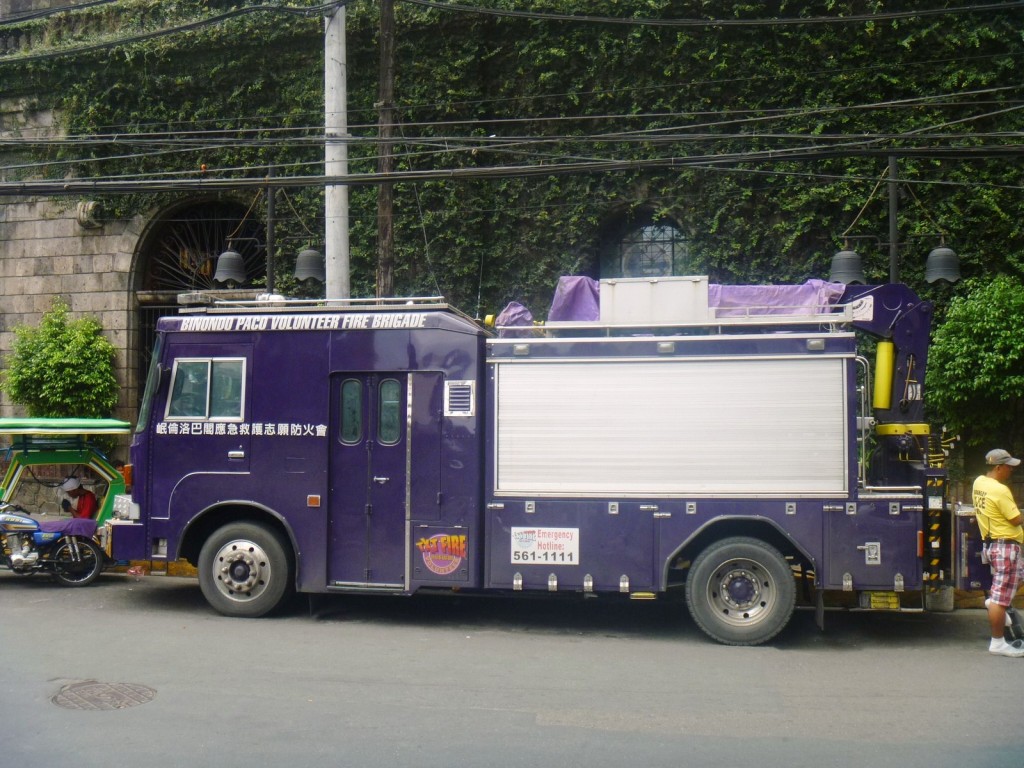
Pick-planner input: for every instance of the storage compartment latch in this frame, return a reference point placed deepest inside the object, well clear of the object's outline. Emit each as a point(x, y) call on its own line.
point(872, 552)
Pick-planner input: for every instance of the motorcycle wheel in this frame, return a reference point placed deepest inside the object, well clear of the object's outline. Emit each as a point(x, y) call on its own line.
point(77, 574)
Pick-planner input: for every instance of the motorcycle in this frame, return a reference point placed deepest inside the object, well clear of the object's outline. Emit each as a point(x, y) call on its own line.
point(65, 548)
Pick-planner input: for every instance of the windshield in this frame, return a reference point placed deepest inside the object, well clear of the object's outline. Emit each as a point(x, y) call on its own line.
point(152, 382)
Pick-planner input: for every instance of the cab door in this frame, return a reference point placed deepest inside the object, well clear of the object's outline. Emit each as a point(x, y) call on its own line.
point(368, 480)
point(202, 428)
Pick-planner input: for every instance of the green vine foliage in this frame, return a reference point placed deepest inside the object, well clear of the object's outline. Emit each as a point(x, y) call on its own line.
point(62, 368)
point(528, 90)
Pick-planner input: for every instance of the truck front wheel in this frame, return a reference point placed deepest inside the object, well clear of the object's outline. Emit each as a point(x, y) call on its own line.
point(741, 591)
point(245, 570)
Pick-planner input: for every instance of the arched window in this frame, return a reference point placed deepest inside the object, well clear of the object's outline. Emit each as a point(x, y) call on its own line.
point(640, 247)
point(654, 250)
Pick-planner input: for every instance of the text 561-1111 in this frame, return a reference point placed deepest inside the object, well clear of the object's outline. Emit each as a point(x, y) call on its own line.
point(542, 557)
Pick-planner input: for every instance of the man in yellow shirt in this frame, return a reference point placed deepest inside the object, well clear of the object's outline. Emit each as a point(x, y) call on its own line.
point(999, 521)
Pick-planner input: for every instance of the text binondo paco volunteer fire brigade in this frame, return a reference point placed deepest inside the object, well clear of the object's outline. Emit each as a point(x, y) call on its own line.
point(729, 444)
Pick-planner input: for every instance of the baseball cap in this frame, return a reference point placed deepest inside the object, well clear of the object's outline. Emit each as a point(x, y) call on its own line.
point(999, 456)
point(72, 482)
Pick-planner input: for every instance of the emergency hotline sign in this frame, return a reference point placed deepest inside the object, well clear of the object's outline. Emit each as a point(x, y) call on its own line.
point(546, 546)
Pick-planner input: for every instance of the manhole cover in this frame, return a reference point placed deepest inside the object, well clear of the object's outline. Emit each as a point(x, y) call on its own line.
point(95, 695)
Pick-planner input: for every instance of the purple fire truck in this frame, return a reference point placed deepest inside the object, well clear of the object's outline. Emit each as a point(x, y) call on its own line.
point(726, 444)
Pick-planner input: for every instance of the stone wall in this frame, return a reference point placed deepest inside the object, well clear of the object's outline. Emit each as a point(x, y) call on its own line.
point(64, 247)
point(45, 253)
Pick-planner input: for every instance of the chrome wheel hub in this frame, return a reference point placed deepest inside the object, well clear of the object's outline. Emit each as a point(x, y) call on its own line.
point(242, 570)
point(742, 592)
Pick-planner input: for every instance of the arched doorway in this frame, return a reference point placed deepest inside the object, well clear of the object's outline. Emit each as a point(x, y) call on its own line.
point(178, 254)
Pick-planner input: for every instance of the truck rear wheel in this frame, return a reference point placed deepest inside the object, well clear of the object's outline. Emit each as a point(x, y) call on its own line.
point(245, 570)
point(741, 591)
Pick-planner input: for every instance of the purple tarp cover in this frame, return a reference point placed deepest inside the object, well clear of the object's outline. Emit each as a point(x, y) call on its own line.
point(514, 314)
point(576, 298)
point(73, 526)
point(579, 299)
point(807, 299)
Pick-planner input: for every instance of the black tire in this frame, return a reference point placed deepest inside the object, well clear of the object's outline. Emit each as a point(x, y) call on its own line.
point(245, 569)
point(77, 573)
point(741, 591)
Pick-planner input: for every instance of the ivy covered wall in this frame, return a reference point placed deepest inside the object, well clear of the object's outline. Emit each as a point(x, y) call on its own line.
point(762, 143)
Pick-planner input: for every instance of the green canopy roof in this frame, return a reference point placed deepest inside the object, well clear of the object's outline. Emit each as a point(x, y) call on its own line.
point(44, 426)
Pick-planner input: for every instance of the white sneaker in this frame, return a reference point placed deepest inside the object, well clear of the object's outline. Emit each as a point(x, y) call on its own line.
point(1013, 650)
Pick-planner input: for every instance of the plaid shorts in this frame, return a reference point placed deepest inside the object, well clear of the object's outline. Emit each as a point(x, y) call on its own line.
point(1005, 559)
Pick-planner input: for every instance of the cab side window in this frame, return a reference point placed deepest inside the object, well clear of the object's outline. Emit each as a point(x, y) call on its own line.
point(226, 389)
point(207, 389)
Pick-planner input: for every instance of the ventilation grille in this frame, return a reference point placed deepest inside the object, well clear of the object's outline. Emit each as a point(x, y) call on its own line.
point(459, 398)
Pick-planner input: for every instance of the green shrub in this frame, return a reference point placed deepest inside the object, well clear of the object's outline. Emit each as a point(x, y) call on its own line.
point(975, 374)
point(62, 367)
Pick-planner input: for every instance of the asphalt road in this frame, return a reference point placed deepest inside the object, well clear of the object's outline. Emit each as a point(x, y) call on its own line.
point(141, 672)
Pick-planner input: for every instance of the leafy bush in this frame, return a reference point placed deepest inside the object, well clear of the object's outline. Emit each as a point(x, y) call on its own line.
point(62, 368)
point(975, 374)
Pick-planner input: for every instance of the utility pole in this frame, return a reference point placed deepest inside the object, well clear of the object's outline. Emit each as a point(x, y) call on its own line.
point(271, 194)
point(386, 160)
point(336, 157)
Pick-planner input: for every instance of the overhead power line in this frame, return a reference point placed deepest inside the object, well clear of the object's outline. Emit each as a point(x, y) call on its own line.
point(210, 138)
point(194, 184)
point(770, 134)
point(719, 22)
point(728, 125)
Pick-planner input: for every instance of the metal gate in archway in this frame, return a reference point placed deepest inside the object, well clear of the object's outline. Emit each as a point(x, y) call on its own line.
point(179, 255)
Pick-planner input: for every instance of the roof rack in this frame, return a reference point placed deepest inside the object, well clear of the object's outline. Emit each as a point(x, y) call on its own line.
point(718, 320)
point(201, 302)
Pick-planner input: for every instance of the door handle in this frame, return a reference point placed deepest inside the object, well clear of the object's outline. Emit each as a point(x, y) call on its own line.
point(236, 454)
point(381, 480)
